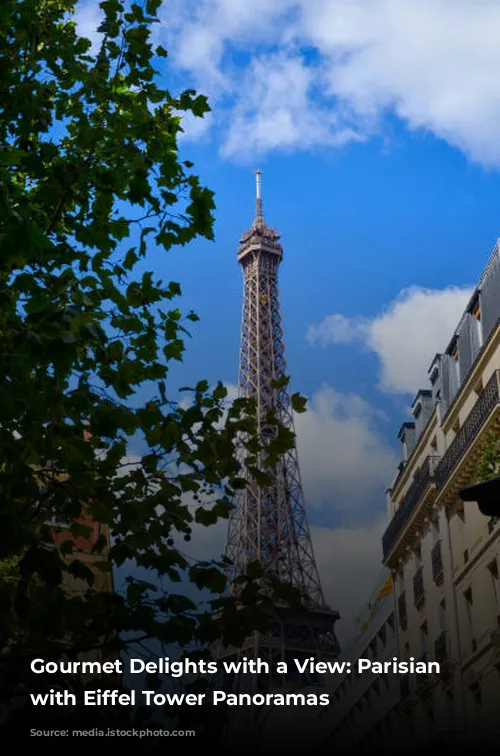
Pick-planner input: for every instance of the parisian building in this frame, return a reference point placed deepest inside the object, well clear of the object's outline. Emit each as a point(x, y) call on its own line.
point(444, 555)
point(363, 708)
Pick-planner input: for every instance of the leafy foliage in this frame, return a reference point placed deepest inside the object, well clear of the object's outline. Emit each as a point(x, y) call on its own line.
point(91, 183)
point(489, 464)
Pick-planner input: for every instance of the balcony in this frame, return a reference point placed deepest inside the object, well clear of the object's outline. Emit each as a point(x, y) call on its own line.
point(437, 563)
point(408, 506)
point(418, 587)
point(469, 431)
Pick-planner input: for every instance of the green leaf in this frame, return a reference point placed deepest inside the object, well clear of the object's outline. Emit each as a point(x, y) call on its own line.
point(281, 382)
point(67, 547)
point(174, 350)
point(208, 578)
point(299, 403)
point(205, 516)
point(45, 563)
point(79, 570)
point(11, 156)
point(254, 570)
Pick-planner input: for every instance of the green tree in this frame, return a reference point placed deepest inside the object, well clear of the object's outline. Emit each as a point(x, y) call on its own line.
point(489, 463)
point(90, 183)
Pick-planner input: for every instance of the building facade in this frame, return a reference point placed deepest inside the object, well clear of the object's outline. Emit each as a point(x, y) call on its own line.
point(444, 556)
point(364, 707)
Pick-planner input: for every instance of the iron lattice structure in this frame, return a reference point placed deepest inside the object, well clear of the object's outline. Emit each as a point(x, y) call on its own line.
point(269, 524)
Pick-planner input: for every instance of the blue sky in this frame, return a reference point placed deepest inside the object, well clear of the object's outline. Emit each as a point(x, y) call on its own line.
point(377, 131)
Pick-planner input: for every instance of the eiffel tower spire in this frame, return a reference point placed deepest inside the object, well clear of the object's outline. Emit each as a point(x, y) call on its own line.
point(259, 217)
point(269, 523)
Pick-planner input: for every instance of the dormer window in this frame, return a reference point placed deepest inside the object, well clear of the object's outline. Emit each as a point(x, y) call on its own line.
point(417, 411)
point(434, 369)
point(477, 312)
point(455, 354)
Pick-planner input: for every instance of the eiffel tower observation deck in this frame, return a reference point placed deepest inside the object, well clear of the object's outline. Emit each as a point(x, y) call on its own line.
point(269, 523)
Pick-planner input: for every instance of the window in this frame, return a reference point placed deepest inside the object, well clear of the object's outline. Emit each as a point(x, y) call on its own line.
point(418, 557)
point(449, 702)
point(475, 689)
point(400, 581)
point(55, 522)
point(429, 710)
point(456, 365)
point(410, 718)
point(435, 530)
point(423, 638)
point(478, 324)
point(469, 616)
point(390, 624)
point(493, 571)
point(442, 615)
point(382, 635)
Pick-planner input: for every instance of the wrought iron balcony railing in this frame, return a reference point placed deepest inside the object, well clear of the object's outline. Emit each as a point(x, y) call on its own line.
point(408, 506)
point(418, 587)
point(437, 562)
point(469, 430)
point(442, 648)
point(402, 616)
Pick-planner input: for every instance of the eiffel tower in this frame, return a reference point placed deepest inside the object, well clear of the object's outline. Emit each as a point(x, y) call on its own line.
point(269, 524)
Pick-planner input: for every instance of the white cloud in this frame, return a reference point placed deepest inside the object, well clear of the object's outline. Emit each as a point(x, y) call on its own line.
point(345, 463)
point(348, 559)
point(370, 58)
point(194, 127)
point(337, 329)
point(405, 336)
point(88, 19)
point(276, 111)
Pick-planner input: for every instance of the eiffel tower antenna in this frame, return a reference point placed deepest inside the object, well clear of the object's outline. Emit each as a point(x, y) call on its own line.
point(258, 182)
point(269, 523)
